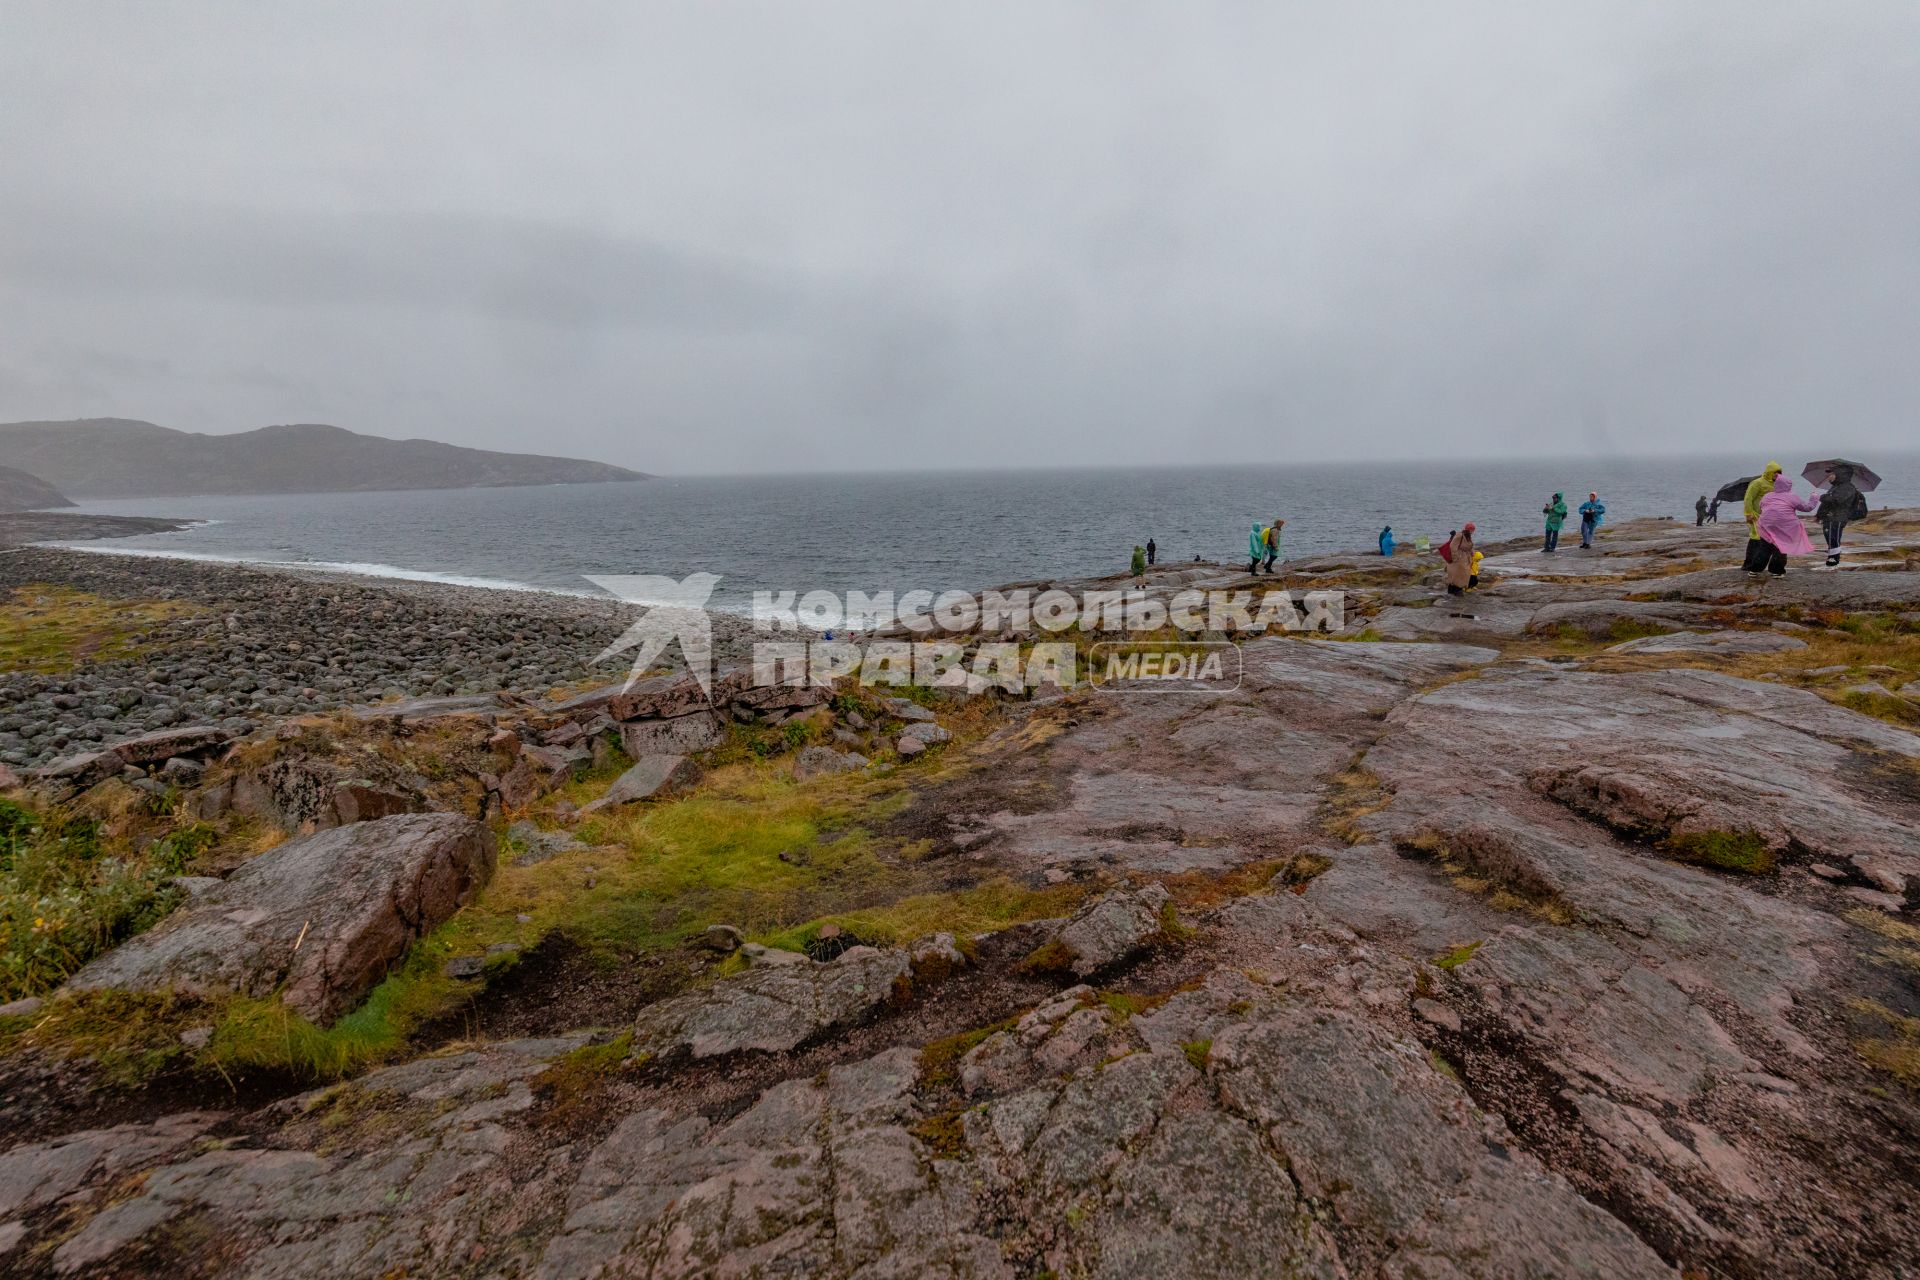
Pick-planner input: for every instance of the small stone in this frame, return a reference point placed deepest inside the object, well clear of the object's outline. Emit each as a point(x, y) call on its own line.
point(723, 938)
point(464, 967)
point(816, 760)
point(196, 1037)
point(1761, 1080)
point(1826, 872)
point(759, 956)
point(1438, 1014)
point(829, 931)
point(905, 709)
point(24, 1007)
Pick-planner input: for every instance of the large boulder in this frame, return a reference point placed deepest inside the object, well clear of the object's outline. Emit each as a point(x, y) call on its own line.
point(297, 792)
point(1110, 929)
point(319, 919)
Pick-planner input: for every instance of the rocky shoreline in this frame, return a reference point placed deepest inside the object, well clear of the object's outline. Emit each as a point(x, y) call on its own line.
point(1569, 929)
point(253, 644)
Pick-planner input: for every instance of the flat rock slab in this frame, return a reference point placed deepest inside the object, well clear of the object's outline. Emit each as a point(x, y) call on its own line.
point(1597, 618)
point(672, 737)
point(1875, 589)
point(1449, 618)
point(771, 1009)
point(320, 918)
point(1171, 783)
point(1712, 642)
point(650, 777)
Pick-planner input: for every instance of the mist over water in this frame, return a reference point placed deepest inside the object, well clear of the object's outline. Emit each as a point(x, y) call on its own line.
point(935, 530)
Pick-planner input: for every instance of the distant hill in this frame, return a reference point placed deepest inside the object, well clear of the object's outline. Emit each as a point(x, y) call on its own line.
point(22, 492)
point(122, 458)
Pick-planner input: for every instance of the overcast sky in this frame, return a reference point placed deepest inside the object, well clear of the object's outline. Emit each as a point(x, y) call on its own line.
point(715, 236)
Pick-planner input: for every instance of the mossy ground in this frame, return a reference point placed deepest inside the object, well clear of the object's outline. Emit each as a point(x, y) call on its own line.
point(1740, 851)
point(752, 846)
point(49, 629)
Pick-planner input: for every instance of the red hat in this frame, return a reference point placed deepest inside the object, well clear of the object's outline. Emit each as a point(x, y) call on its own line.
point(1467, 527)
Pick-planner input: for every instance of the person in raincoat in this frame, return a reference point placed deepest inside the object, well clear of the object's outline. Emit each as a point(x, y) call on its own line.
point(1699, 511)
point(1780, 526)
point(1556, 514)
point(1153, 552)
point(1591, 513)
point(1713, 511)
point(1256, 548)
point(1473, 579)
point(1460, 560)
point(1386, 541)
point(1842, 502)
point(1273, 542)
point(1757, 546)
point(1139, 566)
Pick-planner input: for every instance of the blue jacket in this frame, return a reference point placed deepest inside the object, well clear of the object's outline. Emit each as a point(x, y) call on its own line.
point(1591, 511)
point(1257, 543)
point(1386, 541)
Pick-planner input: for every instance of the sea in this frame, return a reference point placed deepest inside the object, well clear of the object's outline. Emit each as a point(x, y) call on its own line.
point(937, 531)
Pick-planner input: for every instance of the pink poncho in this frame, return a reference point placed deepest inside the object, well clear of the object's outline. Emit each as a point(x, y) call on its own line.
point(1780, 520)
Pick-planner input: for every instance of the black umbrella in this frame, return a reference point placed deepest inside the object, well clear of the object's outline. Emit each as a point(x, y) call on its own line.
point(1864, 479)
point(1735, 490)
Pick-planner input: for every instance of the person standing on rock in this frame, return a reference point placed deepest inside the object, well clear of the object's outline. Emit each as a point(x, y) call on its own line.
point(1713, 510)
point(1256, 548)
point(1152, 551)
point(1386, 541)
point(1842, 502)
point(1556, 514)
point(1460, 560)
point(1273, 542)
point(1699, 511)
point(1779, 525)
point(1139, 566)
point(1758, 548)
point(1473, 579)
point(1592, 511)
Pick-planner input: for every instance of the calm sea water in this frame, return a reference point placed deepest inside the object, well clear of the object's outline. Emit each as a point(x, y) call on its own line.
point(936, 531)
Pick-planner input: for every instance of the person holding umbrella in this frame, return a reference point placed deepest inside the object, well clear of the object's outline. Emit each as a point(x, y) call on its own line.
point(1713, 511)
point(1758, 549)
point(1556, 514)
point(1843, 501)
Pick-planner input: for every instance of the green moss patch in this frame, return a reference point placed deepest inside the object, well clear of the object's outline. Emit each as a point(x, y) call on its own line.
point(1740, 851)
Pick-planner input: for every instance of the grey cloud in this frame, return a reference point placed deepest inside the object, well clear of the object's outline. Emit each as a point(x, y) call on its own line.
point(768, 236)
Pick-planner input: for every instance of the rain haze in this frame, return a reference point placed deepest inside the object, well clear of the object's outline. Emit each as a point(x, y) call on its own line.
point(766, 237)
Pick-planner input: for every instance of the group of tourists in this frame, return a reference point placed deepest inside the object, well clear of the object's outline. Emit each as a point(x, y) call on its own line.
point(1773, 510)
point(1592, 512)
point(1263, 546)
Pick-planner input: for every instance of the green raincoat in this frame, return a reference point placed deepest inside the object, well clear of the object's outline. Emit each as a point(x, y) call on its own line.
point(1557, 513)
